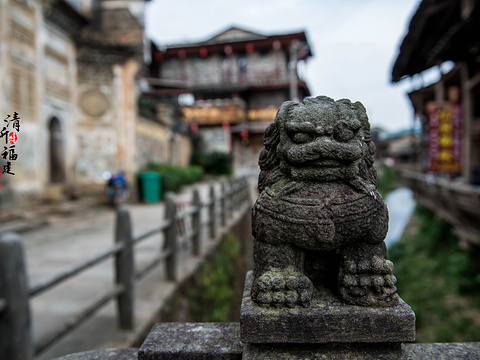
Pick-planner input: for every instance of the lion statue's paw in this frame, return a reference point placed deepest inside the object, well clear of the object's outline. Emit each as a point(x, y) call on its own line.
point(282, 287)
point(368, 283)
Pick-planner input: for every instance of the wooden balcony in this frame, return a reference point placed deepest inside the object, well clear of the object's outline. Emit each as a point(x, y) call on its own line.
point(213, 114)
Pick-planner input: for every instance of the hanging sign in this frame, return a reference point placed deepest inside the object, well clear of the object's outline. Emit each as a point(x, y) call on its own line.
point(445, 138)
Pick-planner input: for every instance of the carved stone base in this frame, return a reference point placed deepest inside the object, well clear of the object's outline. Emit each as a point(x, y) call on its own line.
point(325, 320)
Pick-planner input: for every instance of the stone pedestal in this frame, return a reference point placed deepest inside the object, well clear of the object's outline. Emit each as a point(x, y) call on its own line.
point(326, 326)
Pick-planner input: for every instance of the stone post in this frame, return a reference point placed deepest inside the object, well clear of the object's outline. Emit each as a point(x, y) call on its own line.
point(197, 223)
point(212, 213)
point(223, 204)
point(15, 331)
point(171, 238)
point(124, 266)
point(321, 282)
point(230, 204)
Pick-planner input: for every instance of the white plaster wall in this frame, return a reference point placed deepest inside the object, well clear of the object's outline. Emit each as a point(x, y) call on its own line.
point(108, 142)
point(26, 182)
point(32, 166)
point(91, 145)
point(3, 57)
point(64, 110)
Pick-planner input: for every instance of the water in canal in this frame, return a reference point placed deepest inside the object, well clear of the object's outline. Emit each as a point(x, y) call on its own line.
point(400, 207)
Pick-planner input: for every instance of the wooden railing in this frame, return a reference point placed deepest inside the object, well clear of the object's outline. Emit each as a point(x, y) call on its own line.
point(455, 203)
point(15, 294)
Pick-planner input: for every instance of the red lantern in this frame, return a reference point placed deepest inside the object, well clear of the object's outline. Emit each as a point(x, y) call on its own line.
point(226, 126)
point(203, 52)
point(182, 54)
point(244, 134)
point(194, 128)
point(158, 56)
point(249, 48)
point(228, 50)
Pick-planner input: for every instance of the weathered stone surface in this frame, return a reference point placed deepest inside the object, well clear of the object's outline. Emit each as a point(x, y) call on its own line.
point(192, 341)
point(106, 354)
point(319, 220)
point(443, 351)
point(326, 320)
point(384, 351)
point(335, 351)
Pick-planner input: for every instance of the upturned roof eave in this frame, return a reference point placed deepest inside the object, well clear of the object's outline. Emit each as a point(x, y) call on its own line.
point(419, 49)
point(258, 38)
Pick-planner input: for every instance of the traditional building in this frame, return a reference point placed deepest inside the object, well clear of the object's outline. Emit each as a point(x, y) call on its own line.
point(237, 80)
point(68, 68)
point(447, 31)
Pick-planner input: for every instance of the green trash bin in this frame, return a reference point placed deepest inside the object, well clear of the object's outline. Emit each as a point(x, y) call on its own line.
point(151, 186)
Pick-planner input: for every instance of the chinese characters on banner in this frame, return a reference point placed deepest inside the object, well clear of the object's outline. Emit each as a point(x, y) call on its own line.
point(11, 126)
point(445, 138)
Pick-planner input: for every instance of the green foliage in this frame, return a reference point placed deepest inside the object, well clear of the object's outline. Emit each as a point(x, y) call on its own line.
point(147, 106)
point(213, 296)
point(387, 179)
point(439, 280)
point(173, 177)
point(215, 162)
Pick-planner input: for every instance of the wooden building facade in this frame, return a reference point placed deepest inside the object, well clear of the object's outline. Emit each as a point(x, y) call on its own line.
point(447, 32)
point(237, 80)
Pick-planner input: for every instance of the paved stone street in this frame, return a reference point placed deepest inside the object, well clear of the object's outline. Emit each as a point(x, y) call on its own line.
point(68, 241)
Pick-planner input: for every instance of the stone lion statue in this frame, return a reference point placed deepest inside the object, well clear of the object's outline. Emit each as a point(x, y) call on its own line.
point(319, 221)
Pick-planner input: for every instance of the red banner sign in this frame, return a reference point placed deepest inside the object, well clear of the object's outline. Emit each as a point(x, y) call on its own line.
point(445, 138)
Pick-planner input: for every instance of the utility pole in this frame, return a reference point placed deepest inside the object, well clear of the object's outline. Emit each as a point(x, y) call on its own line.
point(292, 68)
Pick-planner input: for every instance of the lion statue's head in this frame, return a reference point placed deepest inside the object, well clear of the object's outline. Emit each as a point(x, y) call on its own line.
point(319, 140)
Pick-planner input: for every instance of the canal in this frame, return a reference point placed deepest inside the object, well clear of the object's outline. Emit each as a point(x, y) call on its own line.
point(400, 205)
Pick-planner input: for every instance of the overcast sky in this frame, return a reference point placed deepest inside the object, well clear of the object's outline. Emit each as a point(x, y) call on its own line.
point(354, 42)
